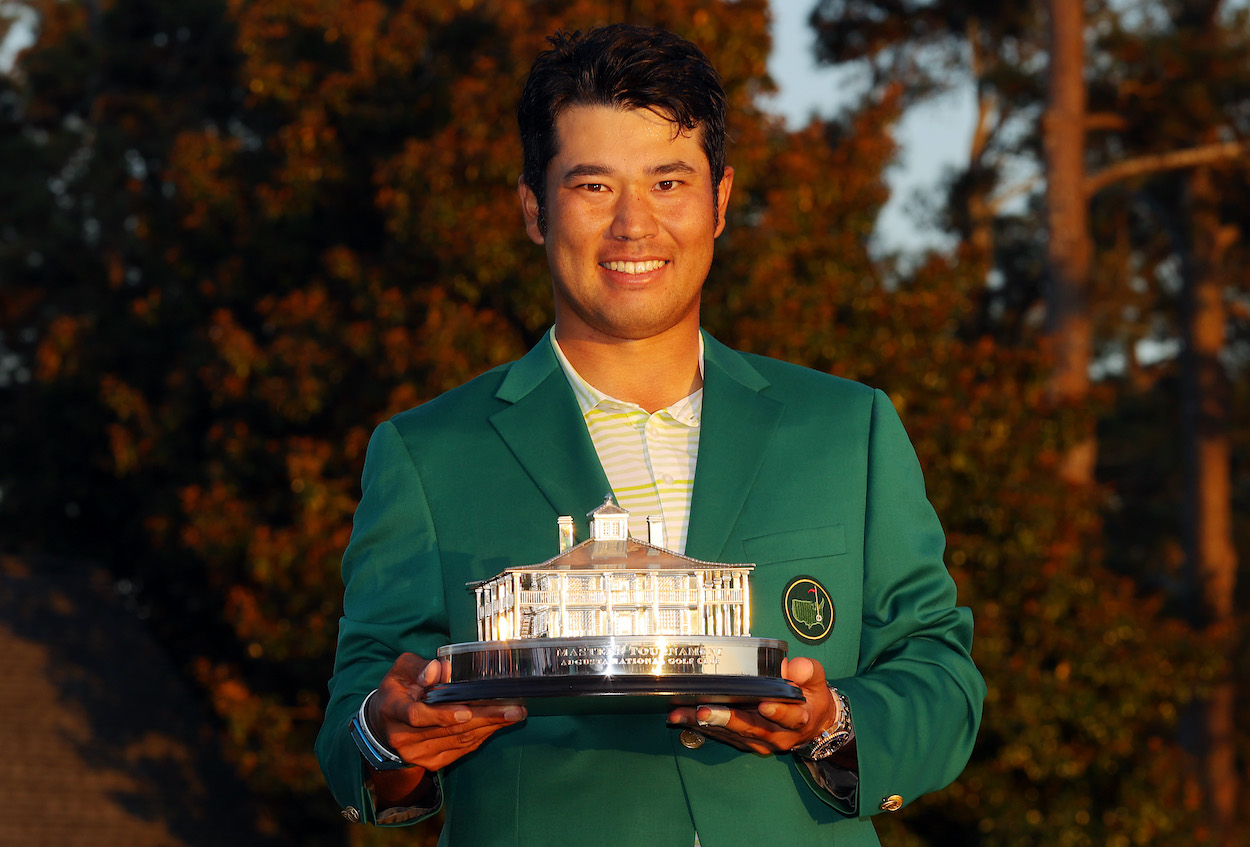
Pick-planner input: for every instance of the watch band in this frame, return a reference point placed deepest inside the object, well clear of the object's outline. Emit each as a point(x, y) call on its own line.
point(376, 754)
point(832, 739)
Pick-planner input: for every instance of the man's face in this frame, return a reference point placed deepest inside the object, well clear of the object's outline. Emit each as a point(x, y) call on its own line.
point(631, 222)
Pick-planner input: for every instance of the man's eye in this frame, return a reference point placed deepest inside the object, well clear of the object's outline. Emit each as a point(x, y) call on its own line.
point(666, 184)
point(593, 186)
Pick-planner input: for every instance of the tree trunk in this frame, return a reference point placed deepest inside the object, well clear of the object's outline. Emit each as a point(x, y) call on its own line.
point(1212, 556)
point(980, 237)
point(1067, 213)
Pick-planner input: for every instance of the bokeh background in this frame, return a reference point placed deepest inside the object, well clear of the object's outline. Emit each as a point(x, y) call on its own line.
point(237, 234)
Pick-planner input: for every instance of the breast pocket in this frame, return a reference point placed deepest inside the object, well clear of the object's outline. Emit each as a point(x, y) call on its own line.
point(795, 544)
point(796, 565)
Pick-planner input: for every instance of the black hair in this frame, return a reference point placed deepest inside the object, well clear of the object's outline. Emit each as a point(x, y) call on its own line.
point(621, 66)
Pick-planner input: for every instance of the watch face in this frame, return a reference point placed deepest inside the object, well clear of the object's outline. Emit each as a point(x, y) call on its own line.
point(825, 744)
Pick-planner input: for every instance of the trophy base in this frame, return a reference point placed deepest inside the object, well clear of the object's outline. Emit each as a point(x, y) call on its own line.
point(605, 674)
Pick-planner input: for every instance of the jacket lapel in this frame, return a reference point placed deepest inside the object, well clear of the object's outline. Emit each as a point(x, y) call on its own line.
point(738, 426)
point(544, 429)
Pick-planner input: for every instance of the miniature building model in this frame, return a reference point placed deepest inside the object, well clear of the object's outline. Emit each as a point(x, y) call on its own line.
point(613, 584)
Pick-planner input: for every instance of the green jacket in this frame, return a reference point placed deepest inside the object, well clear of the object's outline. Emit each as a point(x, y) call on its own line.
point(799, 472)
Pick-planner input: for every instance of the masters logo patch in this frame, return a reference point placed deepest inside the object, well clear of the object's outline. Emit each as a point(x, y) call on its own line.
point(808, 609)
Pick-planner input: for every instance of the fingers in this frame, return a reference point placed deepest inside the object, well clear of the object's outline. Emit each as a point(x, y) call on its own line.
point(804, 672)
point(716, 715)
point(403, 686)
point(744, 729)
point(428, 735)
point(739, 728)
point(773, 726)
point(434, 748)
point(451, 718)
point(410, 670)
point(435, 736)
point(811, 715)
point(790, 717)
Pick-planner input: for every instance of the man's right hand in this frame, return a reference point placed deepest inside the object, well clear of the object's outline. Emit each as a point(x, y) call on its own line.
point(430, 737)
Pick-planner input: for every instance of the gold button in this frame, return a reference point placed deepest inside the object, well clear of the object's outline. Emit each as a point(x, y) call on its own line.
point(352, 814)
point(691, 740)
point(892, 803)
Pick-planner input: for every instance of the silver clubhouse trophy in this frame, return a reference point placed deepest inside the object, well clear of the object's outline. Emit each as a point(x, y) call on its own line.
point(615, 624)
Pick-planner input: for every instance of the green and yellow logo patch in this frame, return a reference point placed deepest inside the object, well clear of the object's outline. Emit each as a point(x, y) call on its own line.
point(808, 609)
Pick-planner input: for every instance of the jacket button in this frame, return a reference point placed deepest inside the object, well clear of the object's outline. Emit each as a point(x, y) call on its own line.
point(352, 814)
point(691, 740)
point(892, 803)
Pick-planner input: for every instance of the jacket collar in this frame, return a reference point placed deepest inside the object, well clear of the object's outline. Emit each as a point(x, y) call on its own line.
point(739, 423)
point(545, 431)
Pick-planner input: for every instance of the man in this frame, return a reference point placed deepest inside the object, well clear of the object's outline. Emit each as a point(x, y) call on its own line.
point(748, 459)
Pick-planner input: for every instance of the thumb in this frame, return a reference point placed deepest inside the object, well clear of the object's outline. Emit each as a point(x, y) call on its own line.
point(415, 673)
point(805, 672)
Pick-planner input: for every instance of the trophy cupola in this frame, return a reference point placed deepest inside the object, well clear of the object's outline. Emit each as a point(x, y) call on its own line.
point(609, 522)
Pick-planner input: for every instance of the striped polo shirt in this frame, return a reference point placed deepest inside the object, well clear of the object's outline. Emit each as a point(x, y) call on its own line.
point(649, 458)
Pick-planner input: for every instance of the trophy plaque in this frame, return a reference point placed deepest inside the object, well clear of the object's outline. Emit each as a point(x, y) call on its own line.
point(615, 624)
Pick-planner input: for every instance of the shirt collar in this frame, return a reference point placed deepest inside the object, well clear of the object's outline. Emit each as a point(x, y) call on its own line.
point(685, 411)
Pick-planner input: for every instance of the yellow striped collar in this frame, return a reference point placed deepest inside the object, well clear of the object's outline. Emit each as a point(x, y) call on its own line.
point(687, 410)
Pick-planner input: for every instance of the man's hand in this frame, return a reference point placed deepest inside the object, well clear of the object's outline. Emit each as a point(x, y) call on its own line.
point(773, 727)
point(431, 737)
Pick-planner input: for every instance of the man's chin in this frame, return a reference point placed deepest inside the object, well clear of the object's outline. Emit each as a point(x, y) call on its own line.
point(632, 331)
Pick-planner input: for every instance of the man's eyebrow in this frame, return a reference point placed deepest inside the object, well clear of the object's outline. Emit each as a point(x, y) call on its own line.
point(588, 170)
point(678, 167)
point(581, 171)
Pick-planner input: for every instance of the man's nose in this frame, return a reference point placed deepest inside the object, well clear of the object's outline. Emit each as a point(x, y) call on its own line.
point(634, 217)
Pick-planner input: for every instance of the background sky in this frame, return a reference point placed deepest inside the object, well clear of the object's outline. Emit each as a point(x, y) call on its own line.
point(931, 137)
point(18, 36)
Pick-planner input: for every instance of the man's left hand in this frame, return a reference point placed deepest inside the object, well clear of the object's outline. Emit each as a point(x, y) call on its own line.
point(773, 727)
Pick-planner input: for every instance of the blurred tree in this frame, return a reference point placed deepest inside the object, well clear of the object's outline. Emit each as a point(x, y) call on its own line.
point(1088, 300)
point(244, 232)
point(1182, 94)
point(1209, 533)
point(1068, 245)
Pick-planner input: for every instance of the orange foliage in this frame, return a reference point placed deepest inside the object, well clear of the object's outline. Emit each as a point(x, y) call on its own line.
point(341, 241)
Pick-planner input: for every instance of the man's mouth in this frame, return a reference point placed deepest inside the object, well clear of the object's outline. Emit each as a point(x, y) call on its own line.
point(635, 267)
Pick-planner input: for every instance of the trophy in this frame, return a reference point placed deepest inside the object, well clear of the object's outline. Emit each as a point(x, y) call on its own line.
point(615, 624)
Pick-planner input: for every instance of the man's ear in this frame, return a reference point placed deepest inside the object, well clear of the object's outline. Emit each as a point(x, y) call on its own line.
point(722, 199)
point(530, 211)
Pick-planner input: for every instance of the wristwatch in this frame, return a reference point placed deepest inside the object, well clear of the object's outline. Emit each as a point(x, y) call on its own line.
point(832, 739)
point(377, 755)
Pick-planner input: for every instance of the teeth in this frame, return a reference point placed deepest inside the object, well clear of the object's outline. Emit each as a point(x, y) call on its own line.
point(635, 267)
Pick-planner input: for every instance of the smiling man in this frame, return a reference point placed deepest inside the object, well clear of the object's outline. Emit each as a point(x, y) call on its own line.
point(629, 212)
point(810, 477)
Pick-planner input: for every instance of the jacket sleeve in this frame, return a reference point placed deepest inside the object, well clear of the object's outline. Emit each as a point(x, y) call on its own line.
point(392, 603)
point(916, 696)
